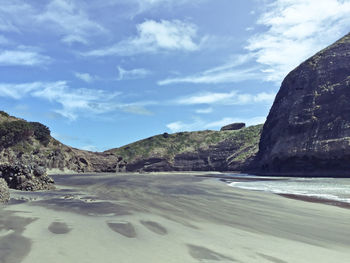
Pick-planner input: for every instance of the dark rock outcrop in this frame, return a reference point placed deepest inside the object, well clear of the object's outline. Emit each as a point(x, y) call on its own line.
point(233, 126)
point(4, 191)
point(30, 143)
point(21, 177)
point(308, 128)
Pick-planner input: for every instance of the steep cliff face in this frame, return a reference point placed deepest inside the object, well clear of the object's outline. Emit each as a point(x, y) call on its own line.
point(308, 128)
point(30, 144)
point(227, 150)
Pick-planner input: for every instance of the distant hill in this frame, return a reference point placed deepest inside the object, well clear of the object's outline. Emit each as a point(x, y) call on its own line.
point(207, 150)
point(30, 143)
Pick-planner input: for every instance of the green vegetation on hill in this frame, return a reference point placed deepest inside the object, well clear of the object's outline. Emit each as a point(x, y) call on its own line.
point(30, 143)
point(169, 145)
point(17, 131)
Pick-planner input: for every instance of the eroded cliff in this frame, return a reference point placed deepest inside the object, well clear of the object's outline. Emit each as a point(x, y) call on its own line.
point(308, 128)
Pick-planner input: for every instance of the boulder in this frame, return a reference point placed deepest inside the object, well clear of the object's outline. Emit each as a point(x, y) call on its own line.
point(22, 177)
point(4, 191)
point(307, 131)
point(233, 126)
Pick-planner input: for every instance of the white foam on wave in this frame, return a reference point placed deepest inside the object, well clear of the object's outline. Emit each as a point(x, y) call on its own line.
point(325, 189)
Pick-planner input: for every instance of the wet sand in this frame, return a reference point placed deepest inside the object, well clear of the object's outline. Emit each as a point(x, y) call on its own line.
point(167, 218)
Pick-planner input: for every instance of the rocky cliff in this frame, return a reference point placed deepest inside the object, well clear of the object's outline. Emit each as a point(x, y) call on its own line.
point(308, 128)
point(31, 144)
point(226, 150)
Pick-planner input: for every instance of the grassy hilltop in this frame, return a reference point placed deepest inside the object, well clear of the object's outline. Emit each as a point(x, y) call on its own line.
point(232, 147)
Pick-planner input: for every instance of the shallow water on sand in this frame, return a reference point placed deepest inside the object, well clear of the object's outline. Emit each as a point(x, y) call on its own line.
point(167, 218)
point(336, 189)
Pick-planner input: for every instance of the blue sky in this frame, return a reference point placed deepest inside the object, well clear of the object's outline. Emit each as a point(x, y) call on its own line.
point(102, 74)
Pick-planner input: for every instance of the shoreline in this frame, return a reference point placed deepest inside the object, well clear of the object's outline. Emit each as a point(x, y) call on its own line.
point(317, 200)
point(320, 174)
point(224, 177)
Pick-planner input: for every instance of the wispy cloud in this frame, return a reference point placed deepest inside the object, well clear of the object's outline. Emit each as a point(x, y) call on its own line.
point(74, 102)
point(227, 73)
point(204, 111)
point(86, 77)
point(136, 7)
point(136, 109)
point(91, 148)
point(4, 40)
point(230, 98)
point(152, 37)
point(18, 91)
point(23, 57)
point(200, 124)
point(71, 20)
point(66, 18)
point(296, 29)
point(135, 73)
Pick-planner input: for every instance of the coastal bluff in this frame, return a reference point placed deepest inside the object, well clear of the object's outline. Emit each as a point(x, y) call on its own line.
point(31, 144)
point(231, 149)
point(307, 131)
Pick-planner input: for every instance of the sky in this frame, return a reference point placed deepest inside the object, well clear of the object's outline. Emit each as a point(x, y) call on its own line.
point(102, 74)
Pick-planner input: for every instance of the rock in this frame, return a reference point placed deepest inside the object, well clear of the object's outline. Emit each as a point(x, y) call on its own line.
point(39, 171)
point(308, 128)
point(4, 191)
point(21, 177)
point(233, 126)
point(32, 146)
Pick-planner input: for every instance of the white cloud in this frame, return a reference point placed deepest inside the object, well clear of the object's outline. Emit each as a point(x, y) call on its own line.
point(90, 148)
point(137, 7)
point(136, 109)
point(226, 73)
point(73, 102)
point(296, 29)
point(200, 124)
point(136, 73)
point(85, 77)
point(22, 57)
point(293, 31)
point(230, 98)
point(66, 17)
point(152, 37)
point(204, 111)
point(18, 91)
point(14, 14)
point(76, 101)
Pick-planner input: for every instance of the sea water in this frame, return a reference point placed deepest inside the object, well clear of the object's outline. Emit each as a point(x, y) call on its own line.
point(335, 189)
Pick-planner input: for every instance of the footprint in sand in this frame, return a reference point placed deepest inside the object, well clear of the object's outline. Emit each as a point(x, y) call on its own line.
point(202, 253)
point(124, 228)
point(59, 228)
point(154, 227)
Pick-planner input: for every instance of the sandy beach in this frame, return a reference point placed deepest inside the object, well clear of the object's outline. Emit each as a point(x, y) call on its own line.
point(167, 218)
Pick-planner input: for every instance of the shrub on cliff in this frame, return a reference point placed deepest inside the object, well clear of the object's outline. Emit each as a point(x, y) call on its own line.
point(41, 132)
point(13, 132)
point(4, 114)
